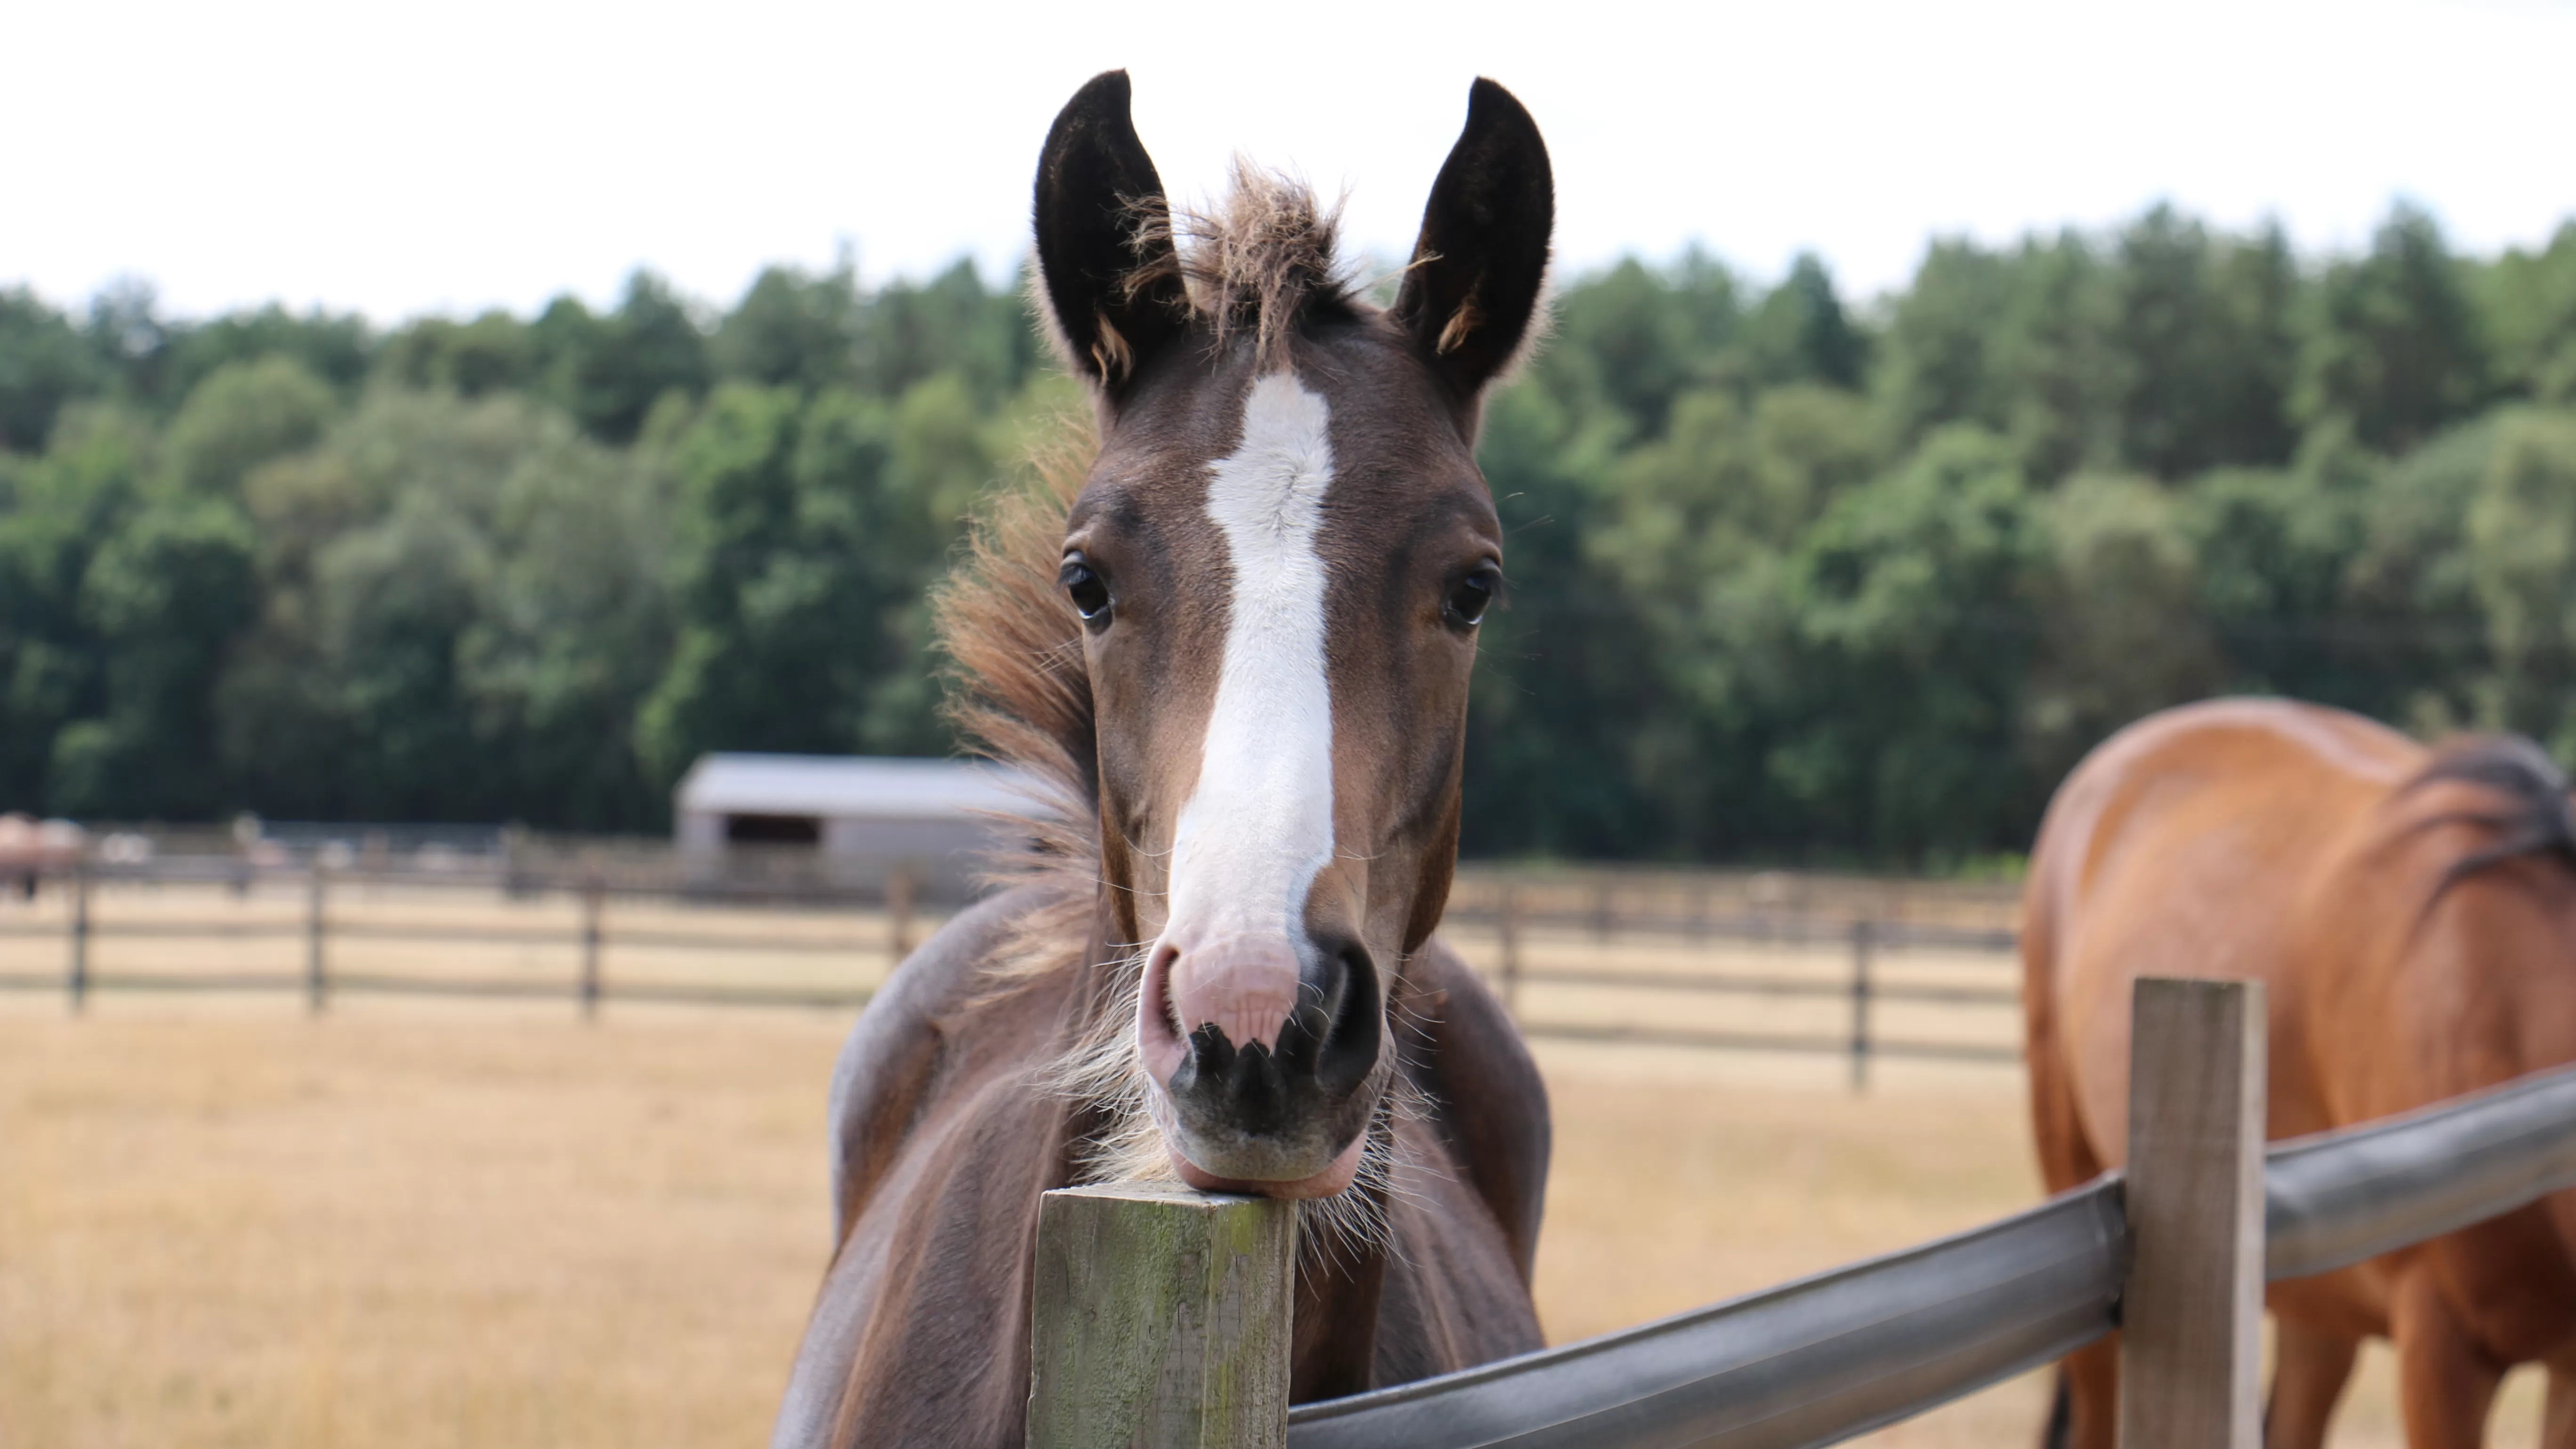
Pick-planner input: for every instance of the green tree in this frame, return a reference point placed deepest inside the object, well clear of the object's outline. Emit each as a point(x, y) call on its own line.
point(908, 333)
point(807, 530)
point(242, 415)
point(1548, 769)
point(2527, 304)
point(1914, 641)
point(792, 330)
point(608, 372)
point(492, 353)
point(44, 363)
point(1800, 332)
point(2203, 328)
point(56, 512)
point(2056, 362)
point(163, 595)
point(2396, 350)
point(2521, 543)
point(1937, 365)
point(2120, 635)
point(1632, 340)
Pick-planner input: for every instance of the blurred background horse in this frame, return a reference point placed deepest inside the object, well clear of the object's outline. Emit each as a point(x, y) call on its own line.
point(2412, 913)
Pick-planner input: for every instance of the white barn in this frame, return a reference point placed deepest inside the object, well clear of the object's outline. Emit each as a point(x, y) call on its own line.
point(857, 819)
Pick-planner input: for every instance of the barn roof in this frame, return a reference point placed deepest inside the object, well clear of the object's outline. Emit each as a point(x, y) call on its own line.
point(848, 787)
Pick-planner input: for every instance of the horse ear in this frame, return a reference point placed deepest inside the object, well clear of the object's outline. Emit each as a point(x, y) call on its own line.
point(1473, 289)
point(1111, 279)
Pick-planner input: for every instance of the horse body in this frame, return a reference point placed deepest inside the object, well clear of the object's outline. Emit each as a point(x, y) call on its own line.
point(2413, 917)
point(948, 1126)
point(1232, 638)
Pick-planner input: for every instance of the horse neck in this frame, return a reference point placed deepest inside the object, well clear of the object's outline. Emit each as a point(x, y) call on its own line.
point(1333, 1347)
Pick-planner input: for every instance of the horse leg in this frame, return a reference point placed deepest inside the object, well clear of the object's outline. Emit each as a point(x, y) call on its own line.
point(2558, 1419)
point(2445, 1382)
point(2308, 1375)
point(2086, 1413)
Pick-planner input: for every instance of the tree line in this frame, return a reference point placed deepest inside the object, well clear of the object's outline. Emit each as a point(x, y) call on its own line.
point(1789, 578)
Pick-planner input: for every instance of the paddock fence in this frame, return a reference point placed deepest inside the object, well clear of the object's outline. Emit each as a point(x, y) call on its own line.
point(1853, 967)
point(2172, 1253)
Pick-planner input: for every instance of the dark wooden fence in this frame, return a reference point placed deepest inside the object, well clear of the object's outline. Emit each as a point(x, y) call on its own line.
point(1641, 936)
point(594, 932)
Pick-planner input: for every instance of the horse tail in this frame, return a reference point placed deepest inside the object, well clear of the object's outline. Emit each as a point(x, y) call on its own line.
point(2535, 816)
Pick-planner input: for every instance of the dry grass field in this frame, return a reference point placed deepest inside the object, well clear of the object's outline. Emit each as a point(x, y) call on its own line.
point(423, 1223)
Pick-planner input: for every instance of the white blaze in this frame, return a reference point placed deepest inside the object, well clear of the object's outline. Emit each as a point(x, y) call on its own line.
point(1259, 824)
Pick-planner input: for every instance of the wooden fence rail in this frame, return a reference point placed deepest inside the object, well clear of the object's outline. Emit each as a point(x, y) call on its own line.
point(319, 981)
point(1579, 924)
point(2178, 1247)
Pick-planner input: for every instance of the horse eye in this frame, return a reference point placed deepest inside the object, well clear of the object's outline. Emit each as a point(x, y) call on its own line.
point(1470, 596)
point(1089, 592)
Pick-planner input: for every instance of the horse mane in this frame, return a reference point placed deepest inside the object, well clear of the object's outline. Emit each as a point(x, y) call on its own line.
point(1019, 688)
point(2535, 817)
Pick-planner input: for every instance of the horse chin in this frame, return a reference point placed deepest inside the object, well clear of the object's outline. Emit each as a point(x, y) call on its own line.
point(1336, 1176)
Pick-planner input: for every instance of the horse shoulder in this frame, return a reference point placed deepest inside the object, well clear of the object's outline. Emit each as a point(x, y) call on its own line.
point(883, 1075)
point(906, 1093)
point(1487, 1100)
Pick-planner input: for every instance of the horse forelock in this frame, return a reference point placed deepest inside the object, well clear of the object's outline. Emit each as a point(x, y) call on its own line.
point(1262, 260)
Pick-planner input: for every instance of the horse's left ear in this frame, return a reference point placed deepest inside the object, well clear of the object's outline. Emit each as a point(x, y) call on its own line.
point(1472, 292)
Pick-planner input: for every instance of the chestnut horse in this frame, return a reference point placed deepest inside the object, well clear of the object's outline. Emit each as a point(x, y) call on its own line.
point(1236, 638)
point(2412, 914)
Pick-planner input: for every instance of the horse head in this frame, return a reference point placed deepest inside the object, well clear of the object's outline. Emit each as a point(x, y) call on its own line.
point(1279, 561)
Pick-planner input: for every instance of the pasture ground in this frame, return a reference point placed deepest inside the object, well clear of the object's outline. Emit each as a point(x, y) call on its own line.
point(418, 1224)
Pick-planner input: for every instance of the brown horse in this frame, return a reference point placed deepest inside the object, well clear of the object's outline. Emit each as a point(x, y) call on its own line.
point(2412, 914)
point(1237, 639)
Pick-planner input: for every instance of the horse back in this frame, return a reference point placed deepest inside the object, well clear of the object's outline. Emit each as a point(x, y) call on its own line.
point(2189, 844)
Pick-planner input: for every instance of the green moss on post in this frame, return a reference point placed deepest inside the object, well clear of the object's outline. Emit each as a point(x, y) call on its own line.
point(1161, 1320)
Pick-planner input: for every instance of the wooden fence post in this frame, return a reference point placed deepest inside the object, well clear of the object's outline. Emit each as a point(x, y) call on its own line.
point(1864, 941)
point(1161, 1320)
point(593, 895)
point(898, 903)
point(76, 973)
point(2191, 1318)
point(1511, 952)
point(316, 982)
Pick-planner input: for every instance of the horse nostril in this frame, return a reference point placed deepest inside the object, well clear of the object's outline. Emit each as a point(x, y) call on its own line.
point(1350, 1041)
point(1160, 973)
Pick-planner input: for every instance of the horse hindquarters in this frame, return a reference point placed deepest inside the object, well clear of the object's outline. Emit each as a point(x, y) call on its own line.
point(2084, 1413)
point(2089, 1386)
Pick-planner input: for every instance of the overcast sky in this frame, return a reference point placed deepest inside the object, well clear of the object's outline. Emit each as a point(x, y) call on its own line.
point(396, 159)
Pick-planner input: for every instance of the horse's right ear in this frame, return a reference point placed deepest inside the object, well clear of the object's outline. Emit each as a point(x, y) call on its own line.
point(1111, 279)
